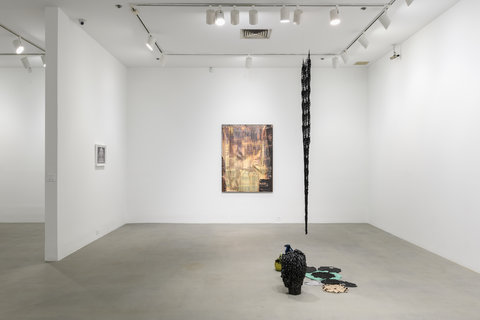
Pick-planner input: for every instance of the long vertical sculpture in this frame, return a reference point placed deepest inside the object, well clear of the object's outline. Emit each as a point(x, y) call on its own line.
point(306, 66)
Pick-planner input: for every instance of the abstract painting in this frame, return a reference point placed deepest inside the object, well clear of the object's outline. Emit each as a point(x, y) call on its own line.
point(247, 158)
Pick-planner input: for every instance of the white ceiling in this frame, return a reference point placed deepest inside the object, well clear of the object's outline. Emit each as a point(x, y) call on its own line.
point(187, 41)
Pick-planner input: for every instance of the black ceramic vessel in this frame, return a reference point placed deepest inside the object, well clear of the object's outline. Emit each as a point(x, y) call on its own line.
point(294, 266)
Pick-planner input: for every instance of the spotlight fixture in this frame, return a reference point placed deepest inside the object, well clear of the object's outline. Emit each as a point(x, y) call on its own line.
point(150, 42)
point(297, 15)
point(210, 16)
point(335, 16)
point(234, 16)
point(385, 20)
point(219, 17)
point(17, 44)
point(44, 62)
point(248, 62)
point(363, 41)
point(335, 62)
point(26, 64)
point(253, 16)
point(409, 2)
point(284, 15)
point(162, 60)
point(344, 56)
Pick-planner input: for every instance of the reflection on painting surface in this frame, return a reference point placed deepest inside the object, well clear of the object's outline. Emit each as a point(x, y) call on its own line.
point(247, 158)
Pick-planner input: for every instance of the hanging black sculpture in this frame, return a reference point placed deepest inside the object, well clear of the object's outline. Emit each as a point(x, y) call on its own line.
point(306, 66)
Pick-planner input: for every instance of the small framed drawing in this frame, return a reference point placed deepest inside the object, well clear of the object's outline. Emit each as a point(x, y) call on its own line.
point(100, 155)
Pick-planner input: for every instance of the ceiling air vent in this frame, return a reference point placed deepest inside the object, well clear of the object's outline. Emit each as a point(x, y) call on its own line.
point(255, 33)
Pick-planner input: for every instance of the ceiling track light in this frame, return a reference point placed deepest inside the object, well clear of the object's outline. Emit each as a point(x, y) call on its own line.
point(150, 42)
point(248, 62)
point(297, 15)
point(234, 16)
point(210, 16)
point(17, 44)
point(44, 61)
point(219, 17)
point(162, 60)
point(409, 2)
point(385, 20)
point(253, 16)
point(363, 40)
point(335, 62)
point(335, 16)
point(284, 15)
point(344, 56)
point(26, 64)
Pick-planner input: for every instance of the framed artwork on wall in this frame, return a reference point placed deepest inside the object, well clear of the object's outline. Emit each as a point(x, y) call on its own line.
point(100, 155)
point(247, 158)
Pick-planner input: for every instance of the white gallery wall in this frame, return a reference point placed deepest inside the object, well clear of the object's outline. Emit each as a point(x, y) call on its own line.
point(22, 139)
point(85, 105)
point(174, 144)
point(396, 145)
point(424, 113)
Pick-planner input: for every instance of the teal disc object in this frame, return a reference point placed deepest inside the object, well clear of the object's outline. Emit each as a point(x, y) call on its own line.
point(336, 276)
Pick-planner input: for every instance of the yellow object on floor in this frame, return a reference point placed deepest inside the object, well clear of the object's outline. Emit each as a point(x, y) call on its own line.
point(278, 263)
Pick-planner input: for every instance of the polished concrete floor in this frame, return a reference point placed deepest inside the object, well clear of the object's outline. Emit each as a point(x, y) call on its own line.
point(170, 271)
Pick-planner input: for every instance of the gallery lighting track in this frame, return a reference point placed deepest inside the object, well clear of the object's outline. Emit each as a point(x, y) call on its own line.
point(23, 54)
point(259, 5)
point(326, 55)
point(150, 39)
point(20, 49)
point(361, 38)
point(22, 39)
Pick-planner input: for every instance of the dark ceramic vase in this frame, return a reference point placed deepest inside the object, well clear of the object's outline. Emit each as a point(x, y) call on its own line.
point(294, 266)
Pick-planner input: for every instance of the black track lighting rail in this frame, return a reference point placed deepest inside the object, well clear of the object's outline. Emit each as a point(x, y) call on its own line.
point(326, 55)
point(385, 6)
point(24, 39)
point(259, 5)
point(135, 12)
point(22, 54)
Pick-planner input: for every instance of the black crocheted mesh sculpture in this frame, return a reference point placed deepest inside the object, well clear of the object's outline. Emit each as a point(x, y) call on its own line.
point(306, 66)
point(294, 266)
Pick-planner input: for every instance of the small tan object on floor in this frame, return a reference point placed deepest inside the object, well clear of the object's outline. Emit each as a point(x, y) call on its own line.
point(334, 288)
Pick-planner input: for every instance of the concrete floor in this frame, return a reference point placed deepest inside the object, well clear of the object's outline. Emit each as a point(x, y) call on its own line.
point(159, 271)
